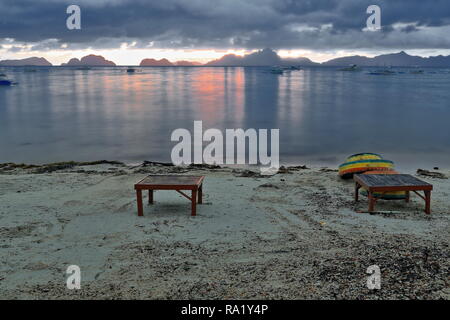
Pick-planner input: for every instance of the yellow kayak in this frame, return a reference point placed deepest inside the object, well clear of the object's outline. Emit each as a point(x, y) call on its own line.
point(364, 156)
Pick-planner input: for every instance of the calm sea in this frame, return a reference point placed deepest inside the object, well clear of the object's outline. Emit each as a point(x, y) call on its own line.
point(59, 114)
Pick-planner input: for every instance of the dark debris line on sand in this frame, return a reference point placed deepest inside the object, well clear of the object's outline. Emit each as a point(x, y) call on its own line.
point(51, 167)
point(432, 174)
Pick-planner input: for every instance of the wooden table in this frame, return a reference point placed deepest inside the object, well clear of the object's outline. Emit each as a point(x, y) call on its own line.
point(396, 182)
point(170, 182)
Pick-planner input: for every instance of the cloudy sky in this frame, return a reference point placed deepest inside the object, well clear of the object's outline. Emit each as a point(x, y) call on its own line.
point(127, 31)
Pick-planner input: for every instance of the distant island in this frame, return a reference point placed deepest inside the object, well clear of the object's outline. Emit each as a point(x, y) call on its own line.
point(34, 61)
point(167, 63)
point(90, 61)
point(156, 63)
point(264, 57)
point(268, 57)
point(401, 59)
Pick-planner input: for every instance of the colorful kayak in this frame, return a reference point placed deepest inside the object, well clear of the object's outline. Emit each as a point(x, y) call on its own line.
point(6, 83)
point(349, 168)
point(393, 195)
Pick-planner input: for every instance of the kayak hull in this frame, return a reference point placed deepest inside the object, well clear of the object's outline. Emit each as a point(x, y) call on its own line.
point(393, 195)
point(349, 168)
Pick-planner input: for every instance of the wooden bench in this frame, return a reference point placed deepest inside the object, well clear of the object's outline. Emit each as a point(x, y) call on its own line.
point(387, 183)
point(170, 182)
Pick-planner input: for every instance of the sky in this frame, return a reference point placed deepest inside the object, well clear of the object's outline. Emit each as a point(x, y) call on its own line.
point(127, 31)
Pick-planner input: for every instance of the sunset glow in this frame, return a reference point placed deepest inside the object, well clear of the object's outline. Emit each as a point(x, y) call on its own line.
point(133, 56)
point(124, 55)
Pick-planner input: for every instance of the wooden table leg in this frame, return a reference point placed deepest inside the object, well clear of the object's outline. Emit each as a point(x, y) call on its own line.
point(427, 202)
point(200, 194)
point(139, 203)
point(371, 202)
point(150, 196)
point(357, 186)
point(194, 203)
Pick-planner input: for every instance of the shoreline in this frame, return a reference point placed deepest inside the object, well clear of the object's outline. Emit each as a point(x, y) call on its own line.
point(433, 171)
point(293, 235)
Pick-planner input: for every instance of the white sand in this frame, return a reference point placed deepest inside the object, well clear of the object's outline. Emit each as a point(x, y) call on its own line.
point(291, 236)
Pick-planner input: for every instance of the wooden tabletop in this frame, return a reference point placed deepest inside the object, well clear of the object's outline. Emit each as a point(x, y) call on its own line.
point(170, 180)
point(391, 181)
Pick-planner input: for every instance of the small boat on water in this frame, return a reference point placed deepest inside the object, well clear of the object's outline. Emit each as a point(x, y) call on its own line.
point(416, 72)
point(4, 81)
point(131, 70)
point(277, 70)
point(353, 67)
point(292, 68)
point(85, 68)
point(382, 73)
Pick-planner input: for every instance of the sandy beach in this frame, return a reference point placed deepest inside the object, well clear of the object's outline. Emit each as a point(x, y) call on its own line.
point(294, 235)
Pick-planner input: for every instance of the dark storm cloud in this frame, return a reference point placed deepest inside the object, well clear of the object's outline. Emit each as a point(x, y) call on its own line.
point(227, 23)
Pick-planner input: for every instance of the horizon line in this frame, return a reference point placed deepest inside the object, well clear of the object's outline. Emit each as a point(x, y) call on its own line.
point(197, 63)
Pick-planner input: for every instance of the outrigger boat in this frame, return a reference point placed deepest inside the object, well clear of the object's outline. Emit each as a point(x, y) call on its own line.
point(353, 67)
point(84, 68)
point(276, 70)
point(6, 82)
point(382, 73)
point(292, 68)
